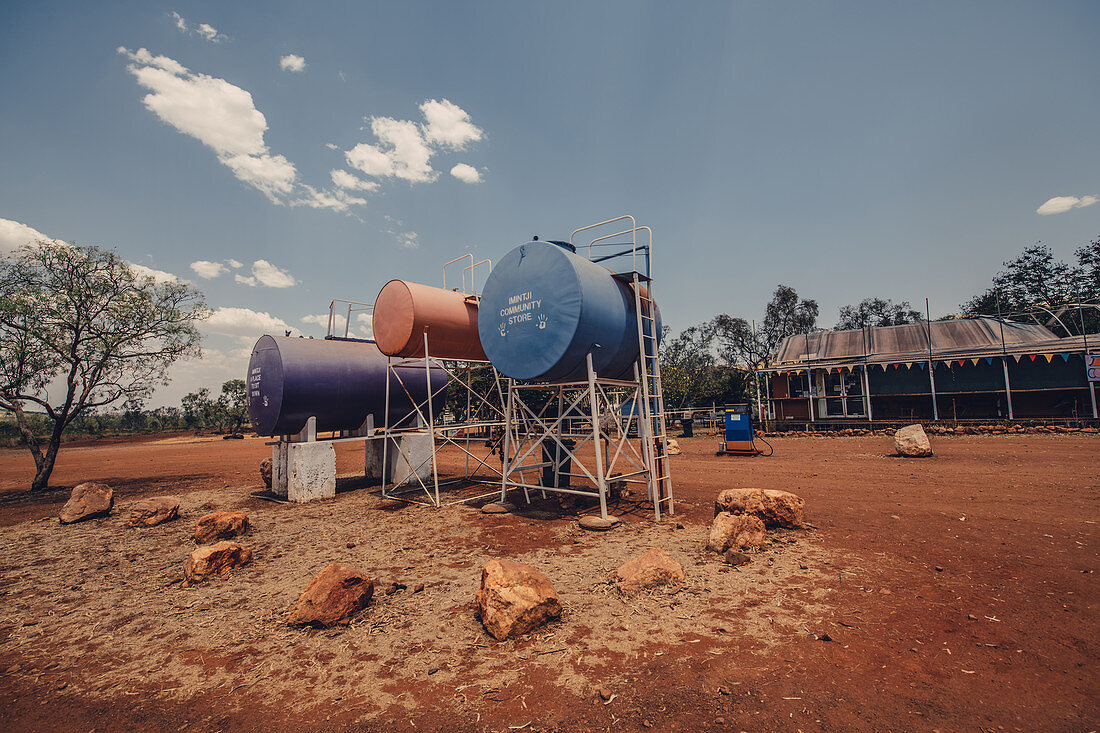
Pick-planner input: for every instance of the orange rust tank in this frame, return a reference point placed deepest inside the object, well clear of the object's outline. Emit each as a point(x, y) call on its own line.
point(405, 311)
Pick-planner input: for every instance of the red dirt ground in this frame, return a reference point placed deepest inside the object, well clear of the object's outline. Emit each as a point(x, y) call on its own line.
point(957, 593)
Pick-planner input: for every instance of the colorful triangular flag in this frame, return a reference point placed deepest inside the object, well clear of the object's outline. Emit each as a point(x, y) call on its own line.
point(962, 362)
point(921, 364)
point(908, 365)
point(989, 360)
point(1032, 356)
point(1065, 357)
point(974, 362)
point(1017, 357)
point(1048, 357)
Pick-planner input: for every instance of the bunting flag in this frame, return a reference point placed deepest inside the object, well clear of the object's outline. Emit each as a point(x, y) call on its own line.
point(1048, 357)
point(921, 364)
point(908, 365)
point(1032, 356)
point(962, 362)
point(975, 361)
point(989, 360)
point(1017, 357)
point(1065, 357)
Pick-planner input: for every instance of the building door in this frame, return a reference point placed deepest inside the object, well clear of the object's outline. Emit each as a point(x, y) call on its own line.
point(840, 394)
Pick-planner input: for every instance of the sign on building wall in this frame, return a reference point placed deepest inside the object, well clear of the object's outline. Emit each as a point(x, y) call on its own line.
point(1092, 367)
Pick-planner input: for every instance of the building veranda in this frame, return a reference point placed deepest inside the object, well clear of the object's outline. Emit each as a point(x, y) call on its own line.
point(965, 369)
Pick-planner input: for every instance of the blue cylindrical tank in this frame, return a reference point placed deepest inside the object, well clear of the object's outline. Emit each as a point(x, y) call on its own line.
point(544, 308)
point(339, 382)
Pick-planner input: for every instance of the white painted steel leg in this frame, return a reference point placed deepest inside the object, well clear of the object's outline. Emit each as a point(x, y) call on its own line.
point(386, 430)
point(601, 483)
point(1092, 393)
point(507, 445)
point(431, 415)
point(1008, 389)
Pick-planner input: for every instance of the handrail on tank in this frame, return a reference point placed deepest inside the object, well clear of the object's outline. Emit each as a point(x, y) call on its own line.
point(624, 217)
point(368, 307)
point(473, 268)
point(458, 259)
point(633, 244)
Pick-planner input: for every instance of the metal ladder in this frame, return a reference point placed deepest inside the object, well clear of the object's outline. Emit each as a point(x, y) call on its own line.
point(651, 428)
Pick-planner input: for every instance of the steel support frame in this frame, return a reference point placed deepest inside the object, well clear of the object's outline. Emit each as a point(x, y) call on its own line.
point(442, 432)
point(527, 430)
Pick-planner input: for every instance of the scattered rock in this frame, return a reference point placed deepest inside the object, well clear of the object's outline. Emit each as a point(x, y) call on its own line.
point(733, 557)
point(736, 531)
point(494, 507)
point(88, 500)
point(912, 442)
point(775, 508)
point(605, 693)
point(418, 588)
point(216, 559)
point(265, 472)
point(154, 510)
point(597, 523)
point(673, 448)
point(651, 569)
point(394, 587)
point(221, 526)
point(332, 597)
point(515, 598)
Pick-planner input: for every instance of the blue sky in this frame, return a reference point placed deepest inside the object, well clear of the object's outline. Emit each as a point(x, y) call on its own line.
point(849, 149)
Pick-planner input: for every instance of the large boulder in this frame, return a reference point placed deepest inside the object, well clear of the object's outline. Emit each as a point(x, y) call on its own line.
point(332, 597)
point(154, 510)
point(218, 559)
point(673, 448)
point(651, 569)
point(265, 472)
point(221, 526)
point(88, 500)
point(736, 532)
point(775, 508)
point(912, 442)
point(515, 598)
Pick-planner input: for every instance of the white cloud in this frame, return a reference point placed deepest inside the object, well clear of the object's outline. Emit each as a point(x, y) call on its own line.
point(405, 148)
point(367, 329)
point(292, 62)
point(159, 276)
point(466, 173)
point(265, 273)
point(235, 264)
point(243, 323)
point(335, 200)
point(272, 174)
point(205, 30)
point(408, 240)
point(343, 179)
point(1062, 204)
point(332, 146)
point(209, 32)
point(207, 269)
point(14, 235)
point(448, 124)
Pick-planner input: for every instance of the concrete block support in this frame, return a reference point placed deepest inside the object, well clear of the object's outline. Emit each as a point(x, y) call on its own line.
point(372, 459)
point(408, 454)
point(311, 472)
point(279, 469)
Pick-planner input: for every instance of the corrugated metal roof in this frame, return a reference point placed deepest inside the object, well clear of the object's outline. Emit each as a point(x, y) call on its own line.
point(909, 342)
